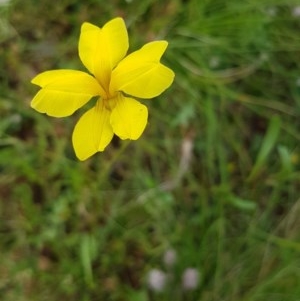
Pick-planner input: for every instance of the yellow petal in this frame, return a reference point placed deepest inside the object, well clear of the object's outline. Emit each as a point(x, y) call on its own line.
point(93, 132)
point(128, 118)
point(100, 49)
point(63, 91)
point(141, 74)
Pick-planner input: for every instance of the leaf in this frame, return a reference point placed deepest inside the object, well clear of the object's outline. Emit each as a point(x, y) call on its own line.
point(266, 147)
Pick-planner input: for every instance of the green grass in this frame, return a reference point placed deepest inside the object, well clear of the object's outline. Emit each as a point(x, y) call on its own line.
point(229, 206)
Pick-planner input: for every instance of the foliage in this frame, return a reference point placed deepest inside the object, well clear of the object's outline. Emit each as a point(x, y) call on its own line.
point(215, 176)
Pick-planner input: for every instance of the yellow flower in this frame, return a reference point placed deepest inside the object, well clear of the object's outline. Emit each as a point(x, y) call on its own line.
point(115, 78)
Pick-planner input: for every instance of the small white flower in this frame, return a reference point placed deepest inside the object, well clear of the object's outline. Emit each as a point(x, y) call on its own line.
point(156, 280)
point(4, 2)
point(296, 11)
point(170, 257)
point(190, 279)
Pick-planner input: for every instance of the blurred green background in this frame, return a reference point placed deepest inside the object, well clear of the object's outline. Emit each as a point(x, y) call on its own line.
point(204, 206)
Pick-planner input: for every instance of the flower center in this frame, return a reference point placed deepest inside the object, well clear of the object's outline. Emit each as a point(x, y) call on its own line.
point(110, 101)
